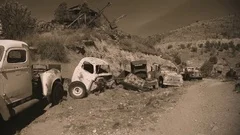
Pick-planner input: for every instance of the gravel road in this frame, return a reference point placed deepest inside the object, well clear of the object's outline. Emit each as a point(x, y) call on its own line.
point(207, 107)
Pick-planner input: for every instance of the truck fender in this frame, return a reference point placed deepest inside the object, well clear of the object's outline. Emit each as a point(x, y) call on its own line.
point(48, 78)
point(4, 111)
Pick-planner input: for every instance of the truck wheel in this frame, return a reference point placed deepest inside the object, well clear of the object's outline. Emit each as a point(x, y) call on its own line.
point(77, 90)
point(57, 93)
point(188, 78)
point(161, 82)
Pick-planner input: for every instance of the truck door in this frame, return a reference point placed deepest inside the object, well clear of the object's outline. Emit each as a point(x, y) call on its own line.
point(17, 76)
point(88, 74)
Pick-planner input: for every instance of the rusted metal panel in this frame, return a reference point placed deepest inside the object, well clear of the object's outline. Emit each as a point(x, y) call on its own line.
point(90, 79)
point(173, 79)
point(48, 78)
point(134, 82)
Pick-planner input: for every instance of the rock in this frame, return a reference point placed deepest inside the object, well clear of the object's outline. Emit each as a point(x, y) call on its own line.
point(95, 130)
point(70, 108)
point(214, 128)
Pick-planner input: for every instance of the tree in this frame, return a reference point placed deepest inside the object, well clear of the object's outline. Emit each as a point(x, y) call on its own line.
point(16, 20)
point(61, 14)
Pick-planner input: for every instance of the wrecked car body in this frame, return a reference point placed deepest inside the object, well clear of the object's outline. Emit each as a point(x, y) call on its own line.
point(167, 76)
point(190, 73)
point(91, 75)
point(137, 79)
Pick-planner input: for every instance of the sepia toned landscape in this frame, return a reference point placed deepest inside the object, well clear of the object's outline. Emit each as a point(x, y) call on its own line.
point(172, 67)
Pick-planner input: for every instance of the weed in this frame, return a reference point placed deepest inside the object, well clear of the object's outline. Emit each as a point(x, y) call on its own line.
point(194, 49)
point(52, 49)
point(182, 46)
point(170, 46)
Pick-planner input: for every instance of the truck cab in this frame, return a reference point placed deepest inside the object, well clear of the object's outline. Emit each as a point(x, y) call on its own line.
point(91, 75)
point(166, 75)
point(21, 86)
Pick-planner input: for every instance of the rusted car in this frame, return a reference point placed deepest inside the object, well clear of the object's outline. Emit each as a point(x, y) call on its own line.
point(91, 75)
point(23, 84)
point(190, 73)
point(166, 75)
point(137, 78)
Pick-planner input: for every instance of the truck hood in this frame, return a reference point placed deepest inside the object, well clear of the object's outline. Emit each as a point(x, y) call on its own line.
point(170, 73)
point(106, 76)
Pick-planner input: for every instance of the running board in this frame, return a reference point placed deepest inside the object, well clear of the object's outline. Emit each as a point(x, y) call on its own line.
point(24, 106)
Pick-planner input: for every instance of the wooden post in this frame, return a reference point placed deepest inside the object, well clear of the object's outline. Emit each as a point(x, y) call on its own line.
point(85, 18)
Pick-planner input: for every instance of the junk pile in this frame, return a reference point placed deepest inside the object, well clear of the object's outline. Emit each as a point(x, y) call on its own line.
point(76, 17)
point(137, 79)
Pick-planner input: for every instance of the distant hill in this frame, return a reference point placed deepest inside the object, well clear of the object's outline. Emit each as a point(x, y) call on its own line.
point(196, 43)
point(218, 28)
point(188, 12)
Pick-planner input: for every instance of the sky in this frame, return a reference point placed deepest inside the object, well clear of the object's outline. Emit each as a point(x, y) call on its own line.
point(144, 17)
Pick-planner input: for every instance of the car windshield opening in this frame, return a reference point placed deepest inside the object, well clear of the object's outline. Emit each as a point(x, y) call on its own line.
point(102, 69)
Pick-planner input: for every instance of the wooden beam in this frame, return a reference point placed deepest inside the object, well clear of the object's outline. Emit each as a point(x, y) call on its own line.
point(75, 20)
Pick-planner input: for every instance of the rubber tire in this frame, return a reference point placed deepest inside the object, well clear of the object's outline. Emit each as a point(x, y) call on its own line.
point(77, 84)
point(188, 78)
point(57, 93)
point(161, 83)
point(1, 121)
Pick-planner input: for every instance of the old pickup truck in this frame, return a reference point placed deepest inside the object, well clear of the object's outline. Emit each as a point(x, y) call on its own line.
point(22, 85)
point(190, 73)
point(166, 75)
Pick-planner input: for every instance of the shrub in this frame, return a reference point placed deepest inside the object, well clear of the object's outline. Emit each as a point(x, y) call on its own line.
point(61, 14)
point(177, 59)
point(16, 20)
point(215, 45)
point(220, 49)
point(189, 45)
point(213, 60)
point(184, 64)
point(225, 46)
point(170, 46)
point(132, 46)
point(206, 68)
point(238, 47)
point(231, 45)
point(52, 49)
point(182, 46)
point(200, 45)
point(105, 49)
point(194, 49)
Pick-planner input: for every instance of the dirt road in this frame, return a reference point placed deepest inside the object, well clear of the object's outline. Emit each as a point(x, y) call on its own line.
point(208, 107)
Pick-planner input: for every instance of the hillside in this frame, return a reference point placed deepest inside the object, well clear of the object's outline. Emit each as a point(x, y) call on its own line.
point(218, 28)
point(196, 43)
point(188, 12)
point(67, 47)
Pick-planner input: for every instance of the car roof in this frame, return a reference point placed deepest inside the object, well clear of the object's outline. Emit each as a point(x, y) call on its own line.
point(95, 61)
point(139, 62)
point(12, 43)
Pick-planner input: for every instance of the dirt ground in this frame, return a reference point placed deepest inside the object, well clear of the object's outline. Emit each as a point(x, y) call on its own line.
point(208, 107)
